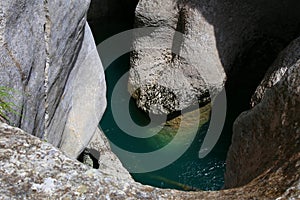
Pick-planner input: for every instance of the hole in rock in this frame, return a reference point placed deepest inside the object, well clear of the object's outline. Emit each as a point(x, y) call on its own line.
point(89, 157)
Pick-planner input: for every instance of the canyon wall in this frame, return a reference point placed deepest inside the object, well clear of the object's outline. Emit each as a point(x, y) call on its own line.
point(49, 58)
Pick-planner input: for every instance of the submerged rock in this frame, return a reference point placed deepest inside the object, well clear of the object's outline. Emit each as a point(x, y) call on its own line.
point(268, 135)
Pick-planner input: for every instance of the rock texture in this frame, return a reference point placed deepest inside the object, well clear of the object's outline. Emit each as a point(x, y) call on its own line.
point(33, 169)
point(170, 71)
point(268, 135)
point(108, 161)
point(48, 56)
point(83, 102)
point(285, 60)
point(22, 59)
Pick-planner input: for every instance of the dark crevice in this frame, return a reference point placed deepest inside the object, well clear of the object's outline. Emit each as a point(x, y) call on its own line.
point(109, 17)
point(89, 154)
point(178, 36)
point(249, 69)
point(247, 72)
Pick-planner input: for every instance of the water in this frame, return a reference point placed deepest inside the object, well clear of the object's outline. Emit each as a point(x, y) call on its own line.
point(188, 172)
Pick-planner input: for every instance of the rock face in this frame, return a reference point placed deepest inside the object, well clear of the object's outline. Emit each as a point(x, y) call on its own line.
point(49, 58)
point(47, 54)
point(182, 69)
point(82, 103)
point(23, 57)
point(269, 134)
point(285, 60)
point(33, 169)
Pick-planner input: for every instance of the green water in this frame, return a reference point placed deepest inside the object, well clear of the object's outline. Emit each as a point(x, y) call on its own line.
point(188, 172)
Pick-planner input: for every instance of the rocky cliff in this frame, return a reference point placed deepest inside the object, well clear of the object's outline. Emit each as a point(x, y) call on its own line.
point(49, 58)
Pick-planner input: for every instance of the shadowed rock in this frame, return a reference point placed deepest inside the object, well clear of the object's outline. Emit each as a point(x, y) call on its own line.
point(269, 134)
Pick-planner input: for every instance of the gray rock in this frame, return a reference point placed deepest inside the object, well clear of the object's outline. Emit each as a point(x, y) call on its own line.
point(22, 60)
point(33, 169)
point(269, 134)
point(193, 66)
point(64, 33)
point(108, 161)
point(48, 56)
point(83, 102)
point(284, 61)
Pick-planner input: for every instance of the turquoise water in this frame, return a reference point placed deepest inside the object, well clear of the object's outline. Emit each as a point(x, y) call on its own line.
point(188, 172)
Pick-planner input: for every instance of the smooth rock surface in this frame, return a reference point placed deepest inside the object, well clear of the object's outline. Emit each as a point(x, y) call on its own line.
point(172, 71)
point(83, 102)
point(33, 169)
point(269, 134)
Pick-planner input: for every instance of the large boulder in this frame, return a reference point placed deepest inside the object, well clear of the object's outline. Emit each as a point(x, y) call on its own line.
point(171, 71)
point(269, 134)
point(48, 56)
